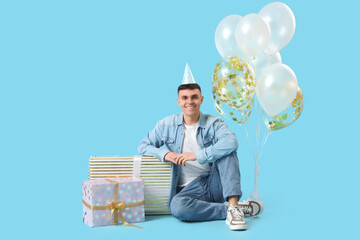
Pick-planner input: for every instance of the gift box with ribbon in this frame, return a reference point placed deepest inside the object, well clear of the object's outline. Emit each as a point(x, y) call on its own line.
point(155, 173)
point(113, 201)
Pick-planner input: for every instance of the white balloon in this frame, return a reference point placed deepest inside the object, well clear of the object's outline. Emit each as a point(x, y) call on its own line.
point(282, 25)
point(225, 39)
point(262, 61)
point(253, 34)
point(276, 88)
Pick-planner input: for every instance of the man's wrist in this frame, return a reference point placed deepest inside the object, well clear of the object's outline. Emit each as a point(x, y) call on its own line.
point(163, 153)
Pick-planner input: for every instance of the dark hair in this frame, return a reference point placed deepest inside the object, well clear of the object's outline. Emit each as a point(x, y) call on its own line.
point(190, 86)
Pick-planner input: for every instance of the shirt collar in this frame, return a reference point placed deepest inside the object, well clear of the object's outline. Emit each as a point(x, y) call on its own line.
point(201, 120)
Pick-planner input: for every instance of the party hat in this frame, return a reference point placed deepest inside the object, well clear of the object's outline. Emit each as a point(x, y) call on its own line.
point(188, 77)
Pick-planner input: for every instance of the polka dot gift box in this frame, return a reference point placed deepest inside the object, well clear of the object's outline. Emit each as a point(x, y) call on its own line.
point(113, 201)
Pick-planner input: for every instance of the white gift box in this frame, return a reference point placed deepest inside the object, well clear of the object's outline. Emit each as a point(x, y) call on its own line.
point(155, 174)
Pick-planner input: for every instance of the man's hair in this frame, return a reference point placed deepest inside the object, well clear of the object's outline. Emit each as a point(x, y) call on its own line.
point(189, 86)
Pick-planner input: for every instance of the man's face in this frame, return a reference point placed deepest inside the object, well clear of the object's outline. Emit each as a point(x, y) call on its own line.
point(190, 101)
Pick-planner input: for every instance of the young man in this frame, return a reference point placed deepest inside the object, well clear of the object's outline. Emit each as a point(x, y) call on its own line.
point(205, 167)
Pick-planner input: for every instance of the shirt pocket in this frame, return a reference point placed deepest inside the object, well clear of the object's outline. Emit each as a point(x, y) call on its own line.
point(208, 141)
point(170, 143)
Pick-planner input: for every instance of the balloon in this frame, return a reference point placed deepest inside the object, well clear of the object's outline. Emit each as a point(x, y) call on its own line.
point(276, 88)
point(253, 34)
point(225, 39)
point(239, 117)
point(262, 61)
point(234, 82)
point(282, 25)
point(287, 117)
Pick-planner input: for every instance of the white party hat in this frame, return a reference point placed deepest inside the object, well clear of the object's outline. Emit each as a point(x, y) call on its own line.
point(188, 77)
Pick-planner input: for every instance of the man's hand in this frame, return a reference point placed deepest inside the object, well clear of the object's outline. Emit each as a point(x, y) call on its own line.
point(184, 157)
point(171, 157)
point(180, 159)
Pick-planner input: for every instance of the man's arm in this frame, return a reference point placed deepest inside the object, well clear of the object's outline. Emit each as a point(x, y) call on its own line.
point(225, 143)
point(150, 145)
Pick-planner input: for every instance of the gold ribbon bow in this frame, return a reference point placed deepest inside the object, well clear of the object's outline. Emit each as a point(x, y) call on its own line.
point(115, 206)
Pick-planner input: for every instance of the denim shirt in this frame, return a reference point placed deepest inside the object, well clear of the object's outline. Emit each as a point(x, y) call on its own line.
point(215, 139)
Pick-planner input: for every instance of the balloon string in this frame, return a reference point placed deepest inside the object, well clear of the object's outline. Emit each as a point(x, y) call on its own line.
point(257, 136)
point(255, 193)
point(249, 140)
point(266, 135)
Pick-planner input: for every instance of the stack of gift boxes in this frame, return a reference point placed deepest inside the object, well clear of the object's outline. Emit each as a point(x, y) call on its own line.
point(121, 190)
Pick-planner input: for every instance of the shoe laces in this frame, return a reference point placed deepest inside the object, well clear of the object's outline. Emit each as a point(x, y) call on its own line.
point(237, 213)
point(246, 209)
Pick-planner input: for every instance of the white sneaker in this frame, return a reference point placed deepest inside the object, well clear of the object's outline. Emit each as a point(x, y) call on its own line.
point(234, 218)
point(251, 208)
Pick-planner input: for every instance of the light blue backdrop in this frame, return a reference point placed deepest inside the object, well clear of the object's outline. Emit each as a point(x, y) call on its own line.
point(81, 78)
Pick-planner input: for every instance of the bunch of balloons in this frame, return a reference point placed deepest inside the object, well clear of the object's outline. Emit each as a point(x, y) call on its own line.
point(251, 63)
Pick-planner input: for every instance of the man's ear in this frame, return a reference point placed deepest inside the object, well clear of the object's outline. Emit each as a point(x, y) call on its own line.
point(178, 101)
point(202, 99)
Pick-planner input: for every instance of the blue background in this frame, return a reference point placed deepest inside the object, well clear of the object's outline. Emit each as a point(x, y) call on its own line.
point(81, 78)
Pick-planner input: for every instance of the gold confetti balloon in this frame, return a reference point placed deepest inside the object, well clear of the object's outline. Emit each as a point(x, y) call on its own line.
point(286, 117)
point(239, 117)
point(234, 82)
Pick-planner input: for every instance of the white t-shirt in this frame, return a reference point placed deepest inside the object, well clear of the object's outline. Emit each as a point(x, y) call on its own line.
point(193, 169)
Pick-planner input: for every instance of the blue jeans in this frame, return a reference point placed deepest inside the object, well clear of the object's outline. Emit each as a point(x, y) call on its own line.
point(203, 198)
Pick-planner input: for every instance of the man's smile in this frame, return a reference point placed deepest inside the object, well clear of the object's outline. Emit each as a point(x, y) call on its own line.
point(190, 107)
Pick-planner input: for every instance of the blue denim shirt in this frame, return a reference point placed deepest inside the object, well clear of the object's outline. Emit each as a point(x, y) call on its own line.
point(215, 139)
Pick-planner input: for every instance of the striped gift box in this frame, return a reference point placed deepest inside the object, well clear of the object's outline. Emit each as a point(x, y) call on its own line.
point(155, 174)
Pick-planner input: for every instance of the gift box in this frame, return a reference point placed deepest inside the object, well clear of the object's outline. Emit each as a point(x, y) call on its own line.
point(113, 201)
point(155, 174)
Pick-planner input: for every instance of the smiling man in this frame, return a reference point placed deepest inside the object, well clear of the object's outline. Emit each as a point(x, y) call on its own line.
point(205, 167)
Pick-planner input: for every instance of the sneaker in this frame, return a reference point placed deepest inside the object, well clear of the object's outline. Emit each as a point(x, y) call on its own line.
point(234, 218)
point(251, 208)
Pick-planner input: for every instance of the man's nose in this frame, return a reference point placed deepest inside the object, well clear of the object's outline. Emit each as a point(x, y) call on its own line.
point(190, 101)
